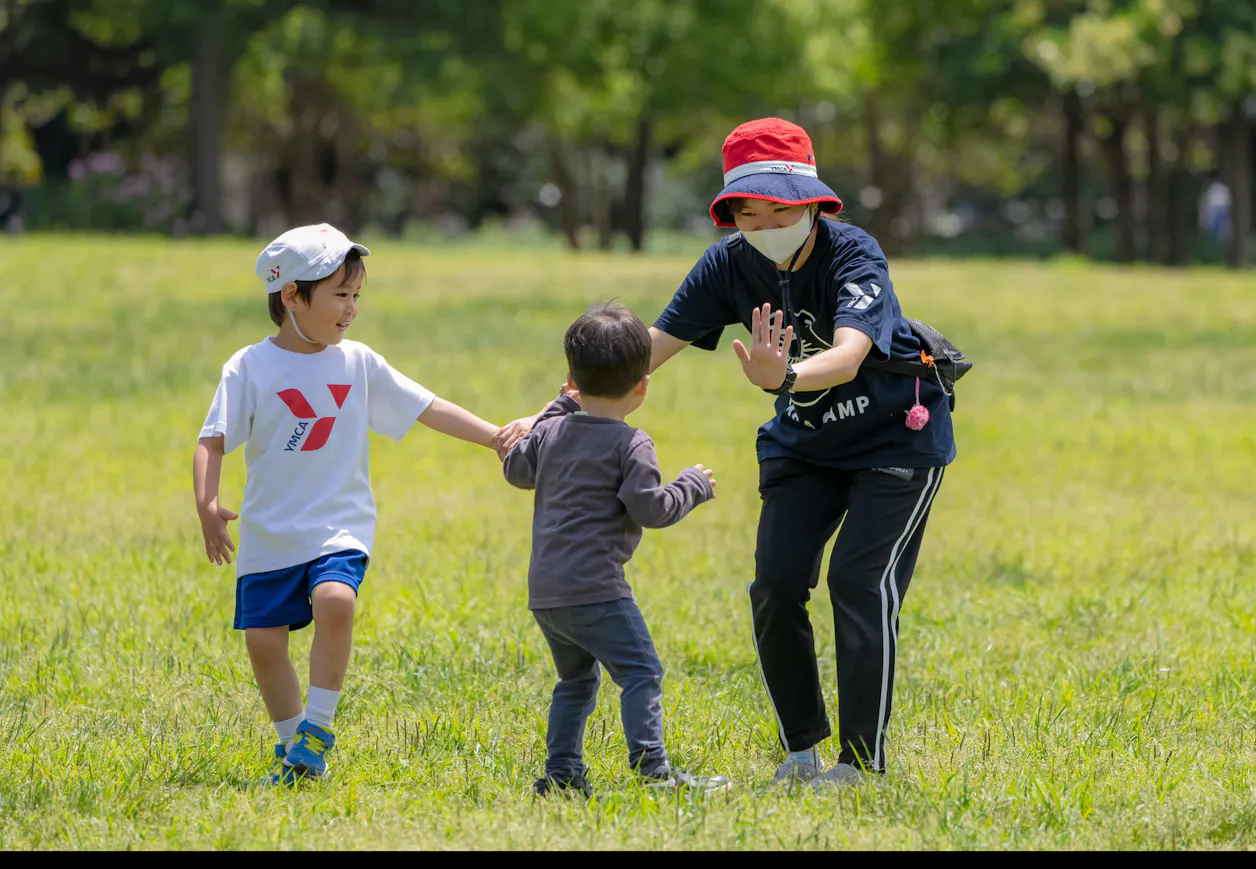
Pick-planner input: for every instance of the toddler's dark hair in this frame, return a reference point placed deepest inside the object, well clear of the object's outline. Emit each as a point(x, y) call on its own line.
point(354, 265)
point(608, 351)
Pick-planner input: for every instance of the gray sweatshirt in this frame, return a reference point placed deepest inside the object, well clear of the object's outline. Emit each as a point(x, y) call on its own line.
point(597, 485)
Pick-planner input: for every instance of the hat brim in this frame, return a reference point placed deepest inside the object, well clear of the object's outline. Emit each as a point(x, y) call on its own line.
point(328, 265)
point(774, 187)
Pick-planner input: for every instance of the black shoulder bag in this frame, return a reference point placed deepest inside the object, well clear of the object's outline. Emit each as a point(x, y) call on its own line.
point(940, 360)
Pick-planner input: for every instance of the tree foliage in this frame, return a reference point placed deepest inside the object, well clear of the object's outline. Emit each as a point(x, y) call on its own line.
point(386, 111)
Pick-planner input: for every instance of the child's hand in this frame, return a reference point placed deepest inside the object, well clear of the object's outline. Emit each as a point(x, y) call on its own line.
point(570, 391)
point(710, 474)
point(218, 545)
point(511, 432)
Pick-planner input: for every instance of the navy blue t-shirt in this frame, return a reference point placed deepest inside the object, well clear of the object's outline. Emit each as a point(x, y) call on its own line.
point(845, 282)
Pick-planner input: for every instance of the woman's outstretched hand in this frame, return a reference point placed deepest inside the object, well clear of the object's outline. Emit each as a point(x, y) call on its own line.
point(765, 361)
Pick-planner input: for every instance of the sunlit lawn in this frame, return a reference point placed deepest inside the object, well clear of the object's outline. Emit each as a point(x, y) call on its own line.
point(1078, 650)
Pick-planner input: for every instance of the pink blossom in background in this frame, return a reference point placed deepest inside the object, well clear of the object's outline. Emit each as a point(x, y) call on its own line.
point(105, 162)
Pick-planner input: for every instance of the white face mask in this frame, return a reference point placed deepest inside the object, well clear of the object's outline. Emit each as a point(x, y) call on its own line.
point(779, 245)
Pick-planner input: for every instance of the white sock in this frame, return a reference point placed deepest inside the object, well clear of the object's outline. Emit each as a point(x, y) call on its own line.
point(807, 755)
point(287, 730)
point(320, 706)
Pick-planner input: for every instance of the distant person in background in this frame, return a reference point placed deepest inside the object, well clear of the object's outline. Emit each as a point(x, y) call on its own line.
point(1214, 211)
point(851, 444)
point(302, 403)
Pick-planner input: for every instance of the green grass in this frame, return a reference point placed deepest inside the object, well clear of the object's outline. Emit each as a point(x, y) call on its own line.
point(1078, 650)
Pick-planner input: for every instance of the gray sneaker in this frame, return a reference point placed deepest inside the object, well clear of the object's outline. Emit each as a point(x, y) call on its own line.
point(798, 770)
point(675, 780)
point(843, 775)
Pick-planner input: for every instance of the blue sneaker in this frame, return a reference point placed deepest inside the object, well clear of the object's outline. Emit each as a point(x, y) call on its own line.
point(279, 774)
point(307, 756)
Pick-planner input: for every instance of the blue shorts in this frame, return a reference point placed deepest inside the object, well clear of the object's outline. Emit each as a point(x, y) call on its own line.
point(285, 597)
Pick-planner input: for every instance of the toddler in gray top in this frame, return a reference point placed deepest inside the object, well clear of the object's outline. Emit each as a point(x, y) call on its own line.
point(597, 485)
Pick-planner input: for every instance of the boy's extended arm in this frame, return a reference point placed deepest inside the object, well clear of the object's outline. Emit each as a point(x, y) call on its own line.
point(206, 474)
point(650, 503)
point(450, 419)
point(508, 435)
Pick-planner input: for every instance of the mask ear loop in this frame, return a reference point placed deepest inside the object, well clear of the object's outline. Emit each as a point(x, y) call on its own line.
point(293, 318)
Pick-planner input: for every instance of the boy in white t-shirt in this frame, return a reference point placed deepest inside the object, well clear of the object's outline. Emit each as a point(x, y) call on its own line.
point(301, 404)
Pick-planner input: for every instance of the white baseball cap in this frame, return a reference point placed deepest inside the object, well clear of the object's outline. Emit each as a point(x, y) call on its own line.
point(307, 253)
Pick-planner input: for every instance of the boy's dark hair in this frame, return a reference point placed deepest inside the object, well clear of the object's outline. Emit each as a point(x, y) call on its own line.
point(608, 351)
point(354, 265)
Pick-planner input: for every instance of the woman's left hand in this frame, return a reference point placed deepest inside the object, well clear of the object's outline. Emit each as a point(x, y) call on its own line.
point(768, 356)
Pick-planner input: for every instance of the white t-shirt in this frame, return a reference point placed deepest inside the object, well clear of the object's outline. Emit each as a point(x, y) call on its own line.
point(303, 420)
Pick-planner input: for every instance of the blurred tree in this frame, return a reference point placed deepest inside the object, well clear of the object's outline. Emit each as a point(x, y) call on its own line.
point(384, 110)
point(1101, 53)
point(209, 36)
point(938, 92)
point(1230, 28)
point(1187, 64)
point(611, 79)
point(340, 96)
point(61, 70)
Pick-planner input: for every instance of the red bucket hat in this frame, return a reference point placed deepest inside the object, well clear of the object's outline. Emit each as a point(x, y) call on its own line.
point(771, 159)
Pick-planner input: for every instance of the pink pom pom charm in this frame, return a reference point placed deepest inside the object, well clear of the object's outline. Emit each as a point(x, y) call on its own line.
point(918, 416)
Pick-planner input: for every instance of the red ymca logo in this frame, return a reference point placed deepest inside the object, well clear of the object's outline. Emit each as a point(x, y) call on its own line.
point(321, 428)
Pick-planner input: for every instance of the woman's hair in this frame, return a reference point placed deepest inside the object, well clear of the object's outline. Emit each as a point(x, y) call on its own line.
point(354, 266)
point(840, 217)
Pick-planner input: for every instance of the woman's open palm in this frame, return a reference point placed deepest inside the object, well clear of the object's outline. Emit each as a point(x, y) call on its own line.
point(765, 361)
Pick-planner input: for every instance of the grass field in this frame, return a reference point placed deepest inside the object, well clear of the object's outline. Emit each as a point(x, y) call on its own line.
point(1078, 650)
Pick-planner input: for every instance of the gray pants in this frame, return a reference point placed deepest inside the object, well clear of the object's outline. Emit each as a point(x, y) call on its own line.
point(615, 635)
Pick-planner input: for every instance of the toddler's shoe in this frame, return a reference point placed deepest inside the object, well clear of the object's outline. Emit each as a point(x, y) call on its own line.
point(576, 783)
point(676, 779)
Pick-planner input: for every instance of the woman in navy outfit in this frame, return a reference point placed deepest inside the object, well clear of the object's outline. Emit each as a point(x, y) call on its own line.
point(851, 445)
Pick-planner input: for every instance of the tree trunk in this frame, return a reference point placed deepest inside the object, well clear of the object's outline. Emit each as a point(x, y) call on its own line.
point(208, 112)
point(1238, 159)
point(879, 173)
point(305, 199)
point(1177, 201)
point(1122, 187)
point(349, 187)
point(634, 194)
point(1073, 231)
point(1157, 192)
point(909, 205)
point(569, 206)
point(600, 198)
